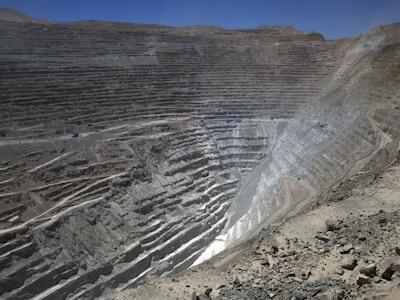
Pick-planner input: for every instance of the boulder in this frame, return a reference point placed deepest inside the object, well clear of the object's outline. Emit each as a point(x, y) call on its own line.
point(348, 263)
point(391, 269)
point(369, 270)
point(346, 249)
point(363, 279)
point(331, 225)
point(237, 283)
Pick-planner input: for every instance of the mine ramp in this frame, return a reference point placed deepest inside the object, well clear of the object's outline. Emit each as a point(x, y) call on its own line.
point(131, 150)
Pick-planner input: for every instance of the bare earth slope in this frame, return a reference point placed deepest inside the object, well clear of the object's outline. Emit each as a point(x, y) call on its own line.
point(341, 249)
point(132, 150)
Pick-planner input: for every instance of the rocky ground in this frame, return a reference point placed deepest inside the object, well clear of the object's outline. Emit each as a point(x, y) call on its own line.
point(346, 248)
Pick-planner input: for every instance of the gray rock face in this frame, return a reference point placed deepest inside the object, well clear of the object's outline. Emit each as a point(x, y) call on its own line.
point(348, 263)
point(391, 269)
point(369, 270)
point(127, 150)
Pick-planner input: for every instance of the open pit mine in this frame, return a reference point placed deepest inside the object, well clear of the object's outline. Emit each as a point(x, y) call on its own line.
point(131, 150)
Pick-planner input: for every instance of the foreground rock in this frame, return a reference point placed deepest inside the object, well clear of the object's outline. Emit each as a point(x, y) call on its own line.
point(369, 270)
point(391, 270)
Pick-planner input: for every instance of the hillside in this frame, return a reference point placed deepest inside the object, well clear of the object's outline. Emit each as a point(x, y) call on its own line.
point(130, 150)
point(10, 15)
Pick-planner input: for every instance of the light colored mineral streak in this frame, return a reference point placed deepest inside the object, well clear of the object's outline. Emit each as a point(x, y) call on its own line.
point(49, 162)
point(61, 203)
point(264, 184)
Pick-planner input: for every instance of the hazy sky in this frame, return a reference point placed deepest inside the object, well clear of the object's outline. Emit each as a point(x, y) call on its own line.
point(333, 18)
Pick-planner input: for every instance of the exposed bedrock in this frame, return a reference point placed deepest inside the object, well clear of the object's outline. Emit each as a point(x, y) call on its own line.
point(129, 150)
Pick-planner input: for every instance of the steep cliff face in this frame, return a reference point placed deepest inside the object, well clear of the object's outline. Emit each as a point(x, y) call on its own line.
point(128, 150)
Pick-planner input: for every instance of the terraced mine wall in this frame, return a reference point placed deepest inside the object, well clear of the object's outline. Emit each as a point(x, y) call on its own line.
point(129, 150)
